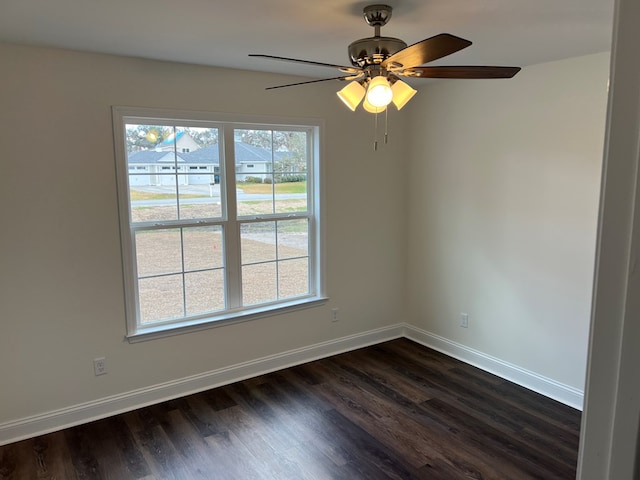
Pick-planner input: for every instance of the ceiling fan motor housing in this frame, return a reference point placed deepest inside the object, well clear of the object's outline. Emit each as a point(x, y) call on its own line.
point(373, 50)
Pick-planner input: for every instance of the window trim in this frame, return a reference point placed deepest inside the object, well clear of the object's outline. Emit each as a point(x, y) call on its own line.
point(122, 114)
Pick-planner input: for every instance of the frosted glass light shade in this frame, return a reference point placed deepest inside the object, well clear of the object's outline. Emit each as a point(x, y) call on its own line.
point(372, 109)
point(379, 93)
point(352, 94)
point(402, 93)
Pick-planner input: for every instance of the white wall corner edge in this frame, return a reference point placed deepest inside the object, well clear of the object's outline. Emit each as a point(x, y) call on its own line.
point(55, 420)
point(548, 387)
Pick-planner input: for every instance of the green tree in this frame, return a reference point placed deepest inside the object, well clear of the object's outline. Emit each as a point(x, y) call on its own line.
point(205, 137)
point(145, 137)
point(257, 138)
point(291, 156)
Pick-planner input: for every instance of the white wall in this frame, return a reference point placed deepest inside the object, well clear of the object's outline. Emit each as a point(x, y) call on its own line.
point(504, 187)
point(61, 289)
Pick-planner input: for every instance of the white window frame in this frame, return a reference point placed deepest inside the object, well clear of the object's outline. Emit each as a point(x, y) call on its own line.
point(135, 331)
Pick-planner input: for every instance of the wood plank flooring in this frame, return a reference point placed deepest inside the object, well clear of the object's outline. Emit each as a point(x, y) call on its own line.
point(396, 410)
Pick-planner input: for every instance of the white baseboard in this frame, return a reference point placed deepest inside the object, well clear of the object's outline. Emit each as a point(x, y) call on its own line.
point(563, 393)
point(105, 407)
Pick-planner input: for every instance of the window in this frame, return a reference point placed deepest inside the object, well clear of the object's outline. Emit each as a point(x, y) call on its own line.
point(217, 246)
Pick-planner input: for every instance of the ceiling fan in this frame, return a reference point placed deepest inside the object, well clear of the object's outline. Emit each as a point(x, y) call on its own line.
point(377, 63)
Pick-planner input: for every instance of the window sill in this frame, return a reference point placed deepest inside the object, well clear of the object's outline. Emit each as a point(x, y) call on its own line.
point(153, 332)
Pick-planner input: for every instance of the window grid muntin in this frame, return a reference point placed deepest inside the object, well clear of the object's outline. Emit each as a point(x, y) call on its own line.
point(277, 260)
point(182, 273)
point(176, 122)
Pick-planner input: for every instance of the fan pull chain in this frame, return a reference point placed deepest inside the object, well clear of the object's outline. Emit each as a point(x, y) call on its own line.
point(386, 129)
point(375, 133)
point(386, 124)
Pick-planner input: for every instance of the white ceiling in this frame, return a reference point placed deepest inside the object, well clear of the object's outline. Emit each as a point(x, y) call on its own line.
point(222, 33)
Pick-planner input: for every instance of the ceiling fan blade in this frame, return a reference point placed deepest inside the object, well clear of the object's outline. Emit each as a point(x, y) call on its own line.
point(460, 72)
point(427, 50)
point(343, 68)
point(348, 77)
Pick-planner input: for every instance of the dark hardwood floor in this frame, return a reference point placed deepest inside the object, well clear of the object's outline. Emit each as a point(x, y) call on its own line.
point(395, 410)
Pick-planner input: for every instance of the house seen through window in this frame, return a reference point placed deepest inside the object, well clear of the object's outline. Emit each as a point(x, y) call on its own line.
point(219, 219)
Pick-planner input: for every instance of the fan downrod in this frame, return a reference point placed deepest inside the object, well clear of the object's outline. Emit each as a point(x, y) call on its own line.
point(372, 51)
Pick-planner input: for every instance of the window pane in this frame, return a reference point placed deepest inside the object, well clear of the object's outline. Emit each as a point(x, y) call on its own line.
point(258, 242)
point(204, 291)
point(259, 283)
point(271, 171)
point(254, 167)
point(158, 252)
point(164, 161)
point(200, 201)
point(160, 298)
point(293, 238)
point(290, 171)
point(293, 278)
point(152, 189)
point(203, 248)
point(200, 191)
point(153, 203)
point(291, 195)
point(254, 196)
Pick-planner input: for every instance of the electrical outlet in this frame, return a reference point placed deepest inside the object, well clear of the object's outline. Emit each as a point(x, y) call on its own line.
point(334, 315)
point(464, 320)
point(99, 366)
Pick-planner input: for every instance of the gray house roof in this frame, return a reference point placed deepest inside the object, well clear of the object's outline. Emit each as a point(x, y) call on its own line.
point(249, 153)
point(208, 155)
point(148, 156)
point(245, 153)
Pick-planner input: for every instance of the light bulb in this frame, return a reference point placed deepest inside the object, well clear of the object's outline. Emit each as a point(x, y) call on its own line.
point(379, 93)
point(352, 94)
point(372, 109)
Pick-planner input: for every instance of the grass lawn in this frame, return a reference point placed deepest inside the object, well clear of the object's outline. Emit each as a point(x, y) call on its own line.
point(138, 195)
point(289, 187)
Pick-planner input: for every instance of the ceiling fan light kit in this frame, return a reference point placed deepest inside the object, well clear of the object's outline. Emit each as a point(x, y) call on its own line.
point(402, 93)
point(378, 62)
point(379, 93)
point(368, 107)
point(352, 95)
